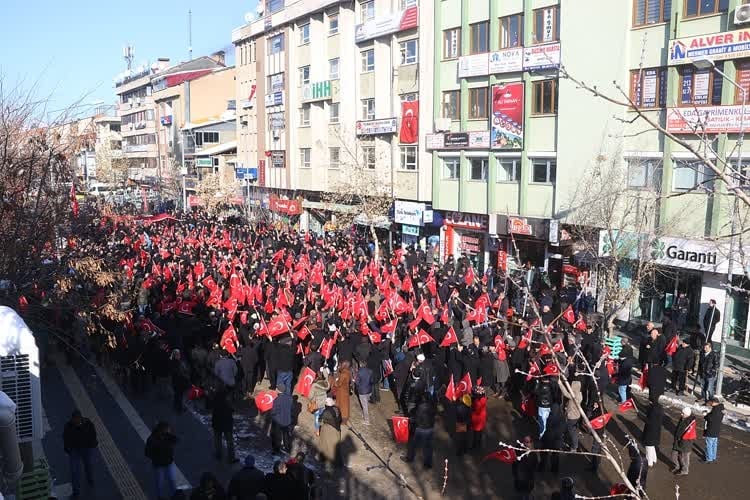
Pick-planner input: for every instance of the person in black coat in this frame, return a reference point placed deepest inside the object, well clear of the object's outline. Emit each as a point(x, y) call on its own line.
point(651, 436)
point(553, 439)
point(247, 482)
point(637, 470)
point(79, 441)
point(655, 348)
point(713, 427)
point(524, 471)
point(682, 361)
point(159, 449)
point(625, 375)
point(249, 357)
point(657, 382)
point(222, 424)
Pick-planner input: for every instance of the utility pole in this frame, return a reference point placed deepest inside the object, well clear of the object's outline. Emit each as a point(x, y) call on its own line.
point(190, 34)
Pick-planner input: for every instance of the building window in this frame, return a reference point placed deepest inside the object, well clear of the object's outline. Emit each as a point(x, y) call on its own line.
point(742, 76)
point(304, 34)
point(367, 10)
point(452, 168)
point(304, 75)
point(651, 11)
point(409, 51)
point(644, 173)
point(451, 43)
point(408, 157)
point(410, 97)
point(333, 112)
point(648, 87)
point(368, 154)
point(479, 38)
point(478, 169)
point(333, 69)
point(509, 169)
point(202, 138)
point(478, 104)
point(304, 115)
point(304, 157)
point(689, 175)
point(452, 104)
point(368, 109)
point(511, 31)
point(700, 87)
point(334, 157)
point(405, 4)
point(695, 8)
point(276, 44)
point(368, 60)
point(333, 23)
point(544, 170)
point(544, 97)
point(546, 25)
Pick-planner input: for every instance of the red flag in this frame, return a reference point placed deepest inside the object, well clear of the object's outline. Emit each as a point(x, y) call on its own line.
point(23, 304)
point(73, 199)
point(209, 283)
point(600, 421)
point(689, 433)
point(618, 489)
point(406, 285)
point(551, 369)
point(229, 340)
point(387, 367)
point(450, 391)
point(671, 348)
point(506, 455)
point(533, 370)
point(472, 315)
point(401, 429)
point(528, 406)
point(569, 315)
point(581, 325)
point(277, 326)
point(390, 326)
point(526, 339)
point(420, 338)
point(500, 348)
point(464, 386)
point(305, 382)
point(627, 405)
point(375, 337)
point(558, 347)
point(425, 312)
point(545, 349)
point(643, 381)
point(409, 132)
point(264, 400)
point(450, 338)
point(325, 347)
point(469, 277)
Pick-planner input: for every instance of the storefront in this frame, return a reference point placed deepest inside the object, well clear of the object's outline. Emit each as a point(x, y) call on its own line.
point(465, 234)
point(416, 222)
point(524, 239)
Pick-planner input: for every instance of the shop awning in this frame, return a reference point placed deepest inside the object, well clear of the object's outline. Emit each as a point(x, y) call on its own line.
point(217, 150)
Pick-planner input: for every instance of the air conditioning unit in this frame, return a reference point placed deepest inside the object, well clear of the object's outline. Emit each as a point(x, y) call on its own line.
point(442, 124)
point(138, 101)
point(742, 14)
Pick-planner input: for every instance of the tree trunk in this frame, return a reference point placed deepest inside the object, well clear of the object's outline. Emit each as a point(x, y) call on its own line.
point(375, 240)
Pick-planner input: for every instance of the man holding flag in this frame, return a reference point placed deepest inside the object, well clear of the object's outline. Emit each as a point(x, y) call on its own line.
point(684, 437)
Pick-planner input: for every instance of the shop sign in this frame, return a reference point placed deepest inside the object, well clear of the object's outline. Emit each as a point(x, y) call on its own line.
point(204, 162)
point(541, 56)
point(408, 212)
point(473, 65)
point(434, 141)
point(506, 61)
point(427, 216)
point(278, 159)
point(502, 260)
point(288, 207)
point(477, 222)
point(401, 20)
point(554, 231)
point(261, 172)
point(275, 99)
point(470, 245)
point(716, 46)
point(479, 140)
point(707, 119)
point(456, 140)
point(376, 127)
point(507, 116)
point(516, 225)
point(410, 230)
point(276, 121)
point(317, 91)
point(277, 82)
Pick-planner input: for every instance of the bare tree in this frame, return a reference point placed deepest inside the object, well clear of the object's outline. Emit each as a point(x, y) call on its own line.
point(215, 195)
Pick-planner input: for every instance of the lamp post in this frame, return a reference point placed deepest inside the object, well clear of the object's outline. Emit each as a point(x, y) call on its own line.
point(705, 63)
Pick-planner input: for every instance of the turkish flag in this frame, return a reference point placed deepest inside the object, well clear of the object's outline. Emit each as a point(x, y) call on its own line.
point(401, 429)
point(325, 348)
point(506, 455)
point(229, 340)
point(277, 326)
point(209, 283)
point(689, 433)
point(375, 337)
point(186, 307)
point(450, 338)
point(390, 326)
point(303, 333)
point(533, 371)
point(425, 312)
point(473, 315)
point(528, 406)
point(420, 338)
point(643, 381)
point(469, 277)
point(409, 122)
point(406, 285)
point(581, 325)
point(264, 400)
point(569, 315)
point(544, 349)
point(671, 348)
point(551, 369)
point(450, 391)
point(627, 405)
point(305, 382)
point(600, 421)
point(558, 347)
point(526, 339)
point(464, 385)
point(618, 489)
point(500, 348)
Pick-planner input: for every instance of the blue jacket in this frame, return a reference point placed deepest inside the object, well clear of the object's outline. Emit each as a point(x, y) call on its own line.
point(364, 381)
point(281, 413)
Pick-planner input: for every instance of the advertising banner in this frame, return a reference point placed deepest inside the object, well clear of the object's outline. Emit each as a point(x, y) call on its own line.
point(408, 212)
point(288, 207)
point(375, 127)
point(707, 119)
point(275, 99)
point(506, 61)
point(473, 65)
point(385, 25)
point(506, 128)
point(716, 46)
point(434, 141)
point(541, 56)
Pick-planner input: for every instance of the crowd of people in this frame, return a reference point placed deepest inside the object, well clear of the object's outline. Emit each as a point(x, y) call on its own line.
point(218, 307)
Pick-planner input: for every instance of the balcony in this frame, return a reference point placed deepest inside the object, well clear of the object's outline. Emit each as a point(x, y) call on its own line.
point(139, 148)
point(135, 104)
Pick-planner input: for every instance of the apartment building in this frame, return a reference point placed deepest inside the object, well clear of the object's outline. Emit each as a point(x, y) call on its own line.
point(333, 89)
point(108, 150)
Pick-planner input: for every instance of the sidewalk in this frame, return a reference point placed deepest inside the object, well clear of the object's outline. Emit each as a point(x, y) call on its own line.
point(737, 416)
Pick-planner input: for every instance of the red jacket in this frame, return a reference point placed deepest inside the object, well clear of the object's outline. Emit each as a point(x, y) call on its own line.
point(479, 413)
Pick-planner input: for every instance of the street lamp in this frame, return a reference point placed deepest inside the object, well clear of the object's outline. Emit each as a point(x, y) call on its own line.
point(706, 64)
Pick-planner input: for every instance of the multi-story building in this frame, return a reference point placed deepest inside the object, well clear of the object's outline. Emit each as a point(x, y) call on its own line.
point(329, 94)
point(513, 136)
point(108, 150)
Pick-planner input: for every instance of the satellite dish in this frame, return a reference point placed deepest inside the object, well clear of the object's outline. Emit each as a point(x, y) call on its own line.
point(260, 8)
point(249, 17)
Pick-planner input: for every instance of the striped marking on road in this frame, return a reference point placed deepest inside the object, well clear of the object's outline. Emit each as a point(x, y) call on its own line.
point(113, 459)
point(135, 419)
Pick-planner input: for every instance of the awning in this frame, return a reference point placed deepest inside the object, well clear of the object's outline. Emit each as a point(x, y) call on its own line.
point(216, 150)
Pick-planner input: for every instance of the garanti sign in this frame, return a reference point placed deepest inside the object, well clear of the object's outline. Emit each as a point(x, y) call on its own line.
point(716, 46)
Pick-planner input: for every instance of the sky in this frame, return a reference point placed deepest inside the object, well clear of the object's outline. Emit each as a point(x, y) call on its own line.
point(71, 50)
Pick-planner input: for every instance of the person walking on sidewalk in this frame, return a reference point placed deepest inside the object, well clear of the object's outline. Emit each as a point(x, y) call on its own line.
point(652, 432)
point(160, 450)
point(79, 441)
point(713, 427)
point(222, 423)
point(363, 385)
point(281, 420)
point(708, 368)
point(423, 419)
point(330, 433)
point(684, 437)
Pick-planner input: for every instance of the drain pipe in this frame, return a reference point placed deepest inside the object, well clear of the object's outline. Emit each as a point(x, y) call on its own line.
point(9, 451)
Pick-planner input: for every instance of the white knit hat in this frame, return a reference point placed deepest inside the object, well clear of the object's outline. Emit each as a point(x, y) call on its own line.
point(686, 412)
point(330, 402)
